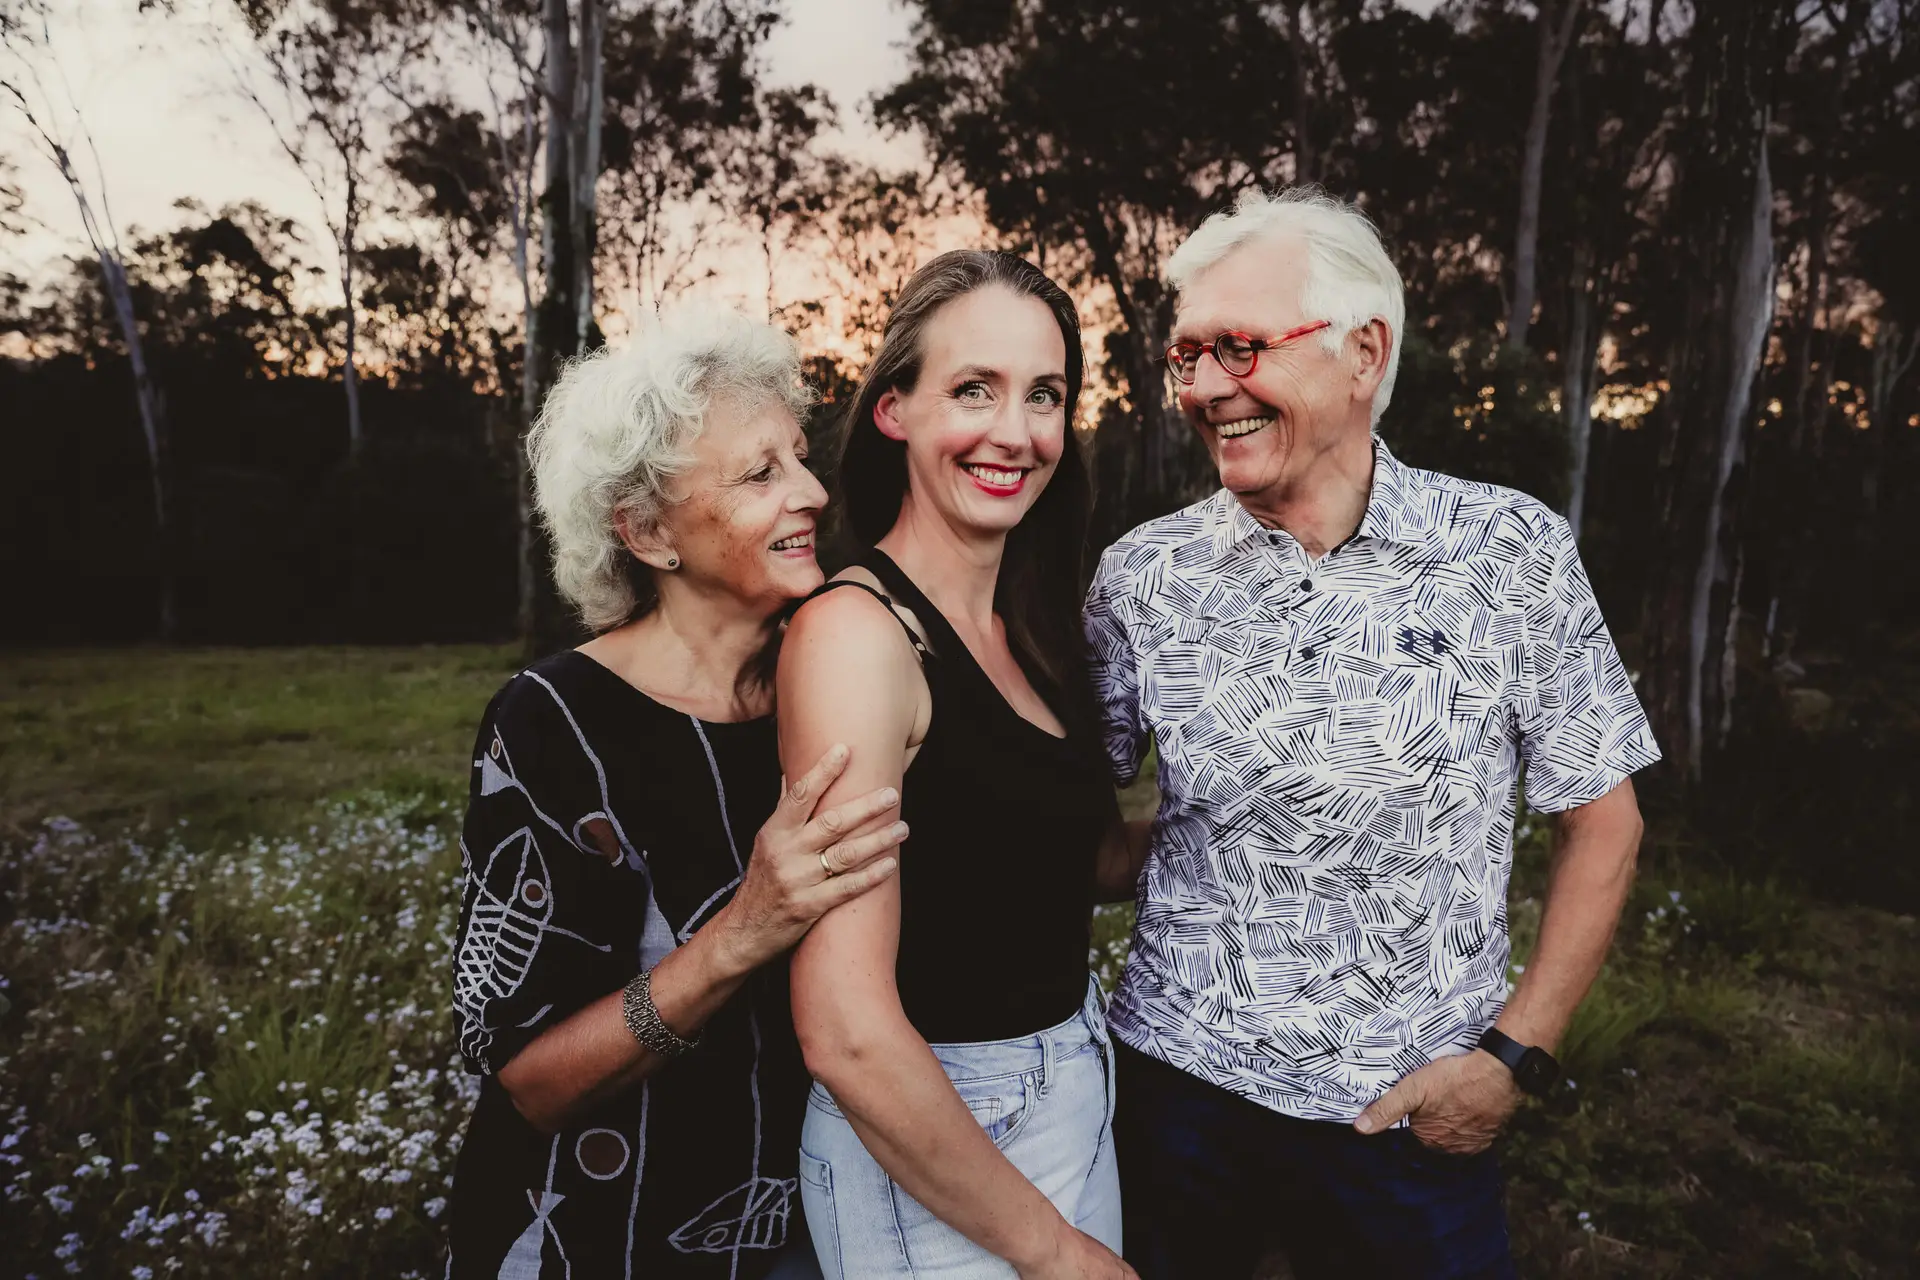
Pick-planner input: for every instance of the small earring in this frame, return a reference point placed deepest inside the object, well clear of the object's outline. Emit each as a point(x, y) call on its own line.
point(673, 562)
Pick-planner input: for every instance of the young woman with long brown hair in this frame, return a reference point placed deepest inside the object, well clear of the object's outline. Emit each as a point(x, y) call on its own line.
point(960, 1123)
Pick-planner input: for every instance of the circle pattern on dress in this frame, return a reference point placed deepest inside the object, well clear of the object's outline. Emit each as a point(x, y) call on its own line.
point(602, 1154)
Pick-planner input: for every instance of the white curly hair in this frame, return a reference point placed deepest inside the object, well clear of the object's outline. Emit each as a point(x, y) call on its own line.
point(1350, 278)
point(618, 428)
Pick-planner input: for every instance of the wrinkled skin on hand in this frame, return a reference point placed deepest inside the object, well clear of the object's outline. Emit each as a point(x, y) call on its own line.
point(1456, 1105)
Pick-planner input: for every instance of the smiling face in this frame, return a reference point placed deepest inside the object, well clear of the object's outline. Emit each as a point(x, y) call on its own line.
point(1300, 401)
point(744, 523)
point(986, 423)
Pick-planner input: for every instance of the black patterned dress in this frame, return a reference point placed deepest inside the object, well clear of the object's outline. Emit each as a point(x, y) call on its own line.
point(603, 829)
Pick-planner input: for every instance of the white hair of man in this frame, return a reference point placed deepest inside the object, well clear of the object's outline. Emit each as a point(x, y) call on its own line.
point(618, 428)
point(1350, 278)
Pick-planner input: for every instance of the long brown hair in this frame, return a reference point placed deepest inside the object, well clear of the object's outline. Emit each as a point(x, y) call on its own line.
point(1040, 586)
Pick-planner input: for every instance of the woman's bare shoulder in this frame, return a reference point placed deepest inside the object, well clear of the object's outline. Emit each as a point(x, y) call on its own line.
point(848, 615)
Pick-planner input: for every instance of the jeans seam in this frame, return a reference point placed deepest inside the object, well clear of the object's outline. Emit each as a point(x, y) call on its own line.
point(894, 1192)
point(1107, 1083)
point(833, 1215)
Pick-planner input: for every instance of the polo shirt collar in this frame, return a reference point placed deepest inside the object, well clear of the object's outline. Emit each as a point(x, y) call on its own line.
point(1397, 510)
point(1397, 507)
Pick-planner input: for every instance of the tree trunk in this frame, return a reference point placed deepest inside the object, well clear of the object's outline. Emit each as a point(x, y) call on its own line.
point(350, 232)
point(1819, 216)
point(545, 624)
point(1576, 394)
point(529, 566)
point(1749, 315)
point(105, 241)
point(153, 425)
point(589, 110)
point(1891, 360)
point(1305, 166)
point(1556, 33)
point(1724, 214)
point(1800, 469)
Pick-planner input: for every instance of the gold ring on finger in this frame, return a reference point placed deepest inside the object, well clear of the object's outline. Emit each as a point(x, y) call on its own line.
point(826, 866)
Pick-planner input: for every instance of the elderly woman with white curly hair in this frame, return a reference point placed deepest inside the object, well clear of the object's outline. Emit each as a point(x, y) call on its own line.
point(620, 973)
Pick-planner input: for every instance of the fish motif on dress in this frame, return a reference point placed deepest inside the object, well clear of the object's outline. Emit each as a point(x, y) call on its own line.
point(753, 1215)
point(510, 916)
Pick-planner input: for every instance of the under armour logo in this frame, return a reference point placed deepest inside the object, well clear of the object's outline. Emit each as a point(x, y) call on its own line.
point(1413, 643)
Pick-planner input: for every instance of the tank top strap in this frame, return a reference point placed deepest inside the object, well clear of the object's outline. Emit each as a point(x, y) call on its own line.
point(960, 664)
point(944, 639)
point(913, 637)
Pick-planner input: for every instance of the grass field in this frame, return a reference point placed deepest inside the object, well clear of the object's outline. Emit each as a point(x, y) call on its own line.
point(227, 893)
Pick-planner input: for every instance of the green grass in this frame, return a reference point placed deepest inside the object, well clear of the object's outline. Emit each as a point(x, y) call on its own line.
point(239, 942)
point(235, 742)
point(1745, 1100)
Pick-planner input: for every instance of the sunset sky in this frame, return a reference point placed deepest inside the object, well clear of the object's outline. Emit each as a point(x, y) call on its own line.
point(160, 98)
point(163, 109)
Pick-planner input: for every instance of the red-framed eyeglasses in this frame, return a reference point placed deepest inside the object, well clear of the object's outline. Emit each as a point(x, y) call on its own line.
point(1238, 353)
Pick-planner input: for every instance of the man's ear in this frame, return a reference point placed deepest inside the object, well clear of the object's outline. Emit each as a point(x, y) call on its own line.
point(649, 541)
point(886, 415)
point(1372, 348)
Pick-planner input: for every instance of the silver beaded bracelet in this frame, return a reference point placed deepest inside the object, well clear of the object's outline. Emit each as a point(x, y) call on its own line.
point(644, 1021)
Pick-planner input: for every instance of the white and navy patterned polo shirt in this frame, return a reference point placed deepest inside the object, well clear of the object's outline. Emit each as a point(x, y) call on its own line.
point(1325, 906)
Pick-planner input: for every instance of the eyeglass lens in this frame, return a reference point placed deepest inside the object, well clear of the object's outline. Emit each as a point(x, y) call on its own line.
point(1235, 353)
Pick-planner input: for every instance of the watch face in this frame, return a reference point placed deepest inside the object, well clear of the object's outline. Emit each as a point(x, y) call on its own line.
point(1537, 1072)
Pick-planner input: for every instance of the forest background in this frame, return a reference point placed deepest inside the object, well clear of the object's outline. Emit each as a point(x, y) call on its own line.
point(1660, 273)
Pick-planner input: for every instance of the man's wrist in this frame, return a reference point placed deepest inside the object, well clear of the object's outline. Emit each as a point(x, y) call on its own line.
point(1533, 1069)
point(1530, 1029)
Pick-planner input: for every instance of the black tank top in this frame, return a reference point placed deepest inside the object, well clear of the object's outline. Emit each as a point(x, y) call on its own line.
point(996, 881)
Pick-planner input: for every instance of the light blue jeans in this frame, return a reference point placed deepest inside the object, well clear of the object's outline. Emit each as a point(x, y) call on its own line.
point(1046, 1100)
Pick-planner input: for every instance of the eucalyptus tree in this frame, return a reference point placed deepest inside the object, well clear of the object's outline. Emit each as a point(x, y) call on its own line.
point(58, 128)
point(323, 74)
point(606, 150)
point(1557, 23)
point(1723, 220)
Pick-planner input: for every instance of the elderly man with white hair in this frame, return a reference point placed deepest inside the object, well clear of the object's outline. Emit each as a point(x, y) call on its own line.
point(1343, 663)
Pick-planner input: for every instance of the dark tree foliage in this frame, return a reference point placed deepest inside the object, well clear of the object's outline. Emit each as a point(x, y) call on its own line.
point(1507, 432)
point(1753, 538)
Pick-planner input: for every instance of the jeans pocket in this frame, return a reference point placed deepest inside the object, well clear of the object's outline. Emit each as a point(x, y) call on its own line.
point(819, 1097)
point(816, 1195)
point(1001, 1106)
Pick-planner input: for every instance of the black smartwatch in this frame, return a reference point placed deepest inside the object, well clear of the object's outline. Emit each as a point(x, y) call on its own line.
point(1534, 1069)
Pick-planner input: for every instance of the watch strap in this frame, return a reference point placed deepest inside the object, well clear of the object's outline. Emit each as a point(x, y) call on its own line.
point(1504, 1047)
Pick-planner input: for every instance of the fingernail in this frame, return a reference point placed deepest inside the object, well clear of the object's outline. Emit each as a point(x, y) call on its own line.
point(888, 795)
point(839, 750)
point(900, 830)
point(1364, 1124)
point(887, 864)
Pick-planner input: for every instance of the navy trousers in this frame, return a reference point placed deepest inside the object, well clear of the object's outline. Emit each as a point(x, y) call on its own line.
point(1211, 1182)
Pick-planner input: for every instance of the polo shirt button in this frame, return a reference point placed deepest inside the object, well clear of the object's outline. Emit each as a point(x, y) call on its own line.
point(1307, 653)
point(1306, 584)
